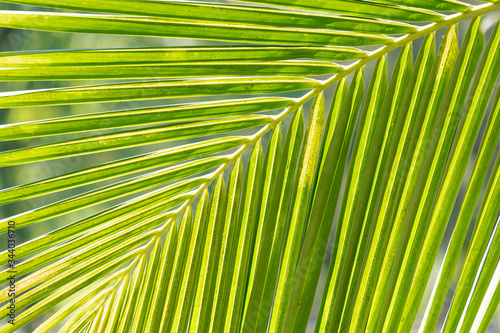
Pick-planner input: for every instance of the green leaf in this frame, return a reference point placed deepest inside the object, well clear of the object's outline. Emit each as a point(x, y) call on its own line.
point(163, 123)
point(119, 189)
point(159, 55)
point(161, 280)
point(228, 248)
point(453, 101)
point(99, 319)
point(445, 5)
point(79, 319)
point(167, 193)
point(187, 287)
point(130, 139)
point(263, 239)
point(139, 322)
point(286, 184)
point(158, 89)
point(490, 311)
point(486, 278)
point(57, 274)
point(420, 165)
point(468, 204)
point(107, 311)
point(249, 210)
point(314, 246)
point(202, 307)
point(165, 306)
point(158, 27)
point(378, 265)
point(142, 116)
point(365, 164)
point(133, 296)
point(383, 140)
point(358, 8)
point(121, 168)
point(71, 287)
point(305, 173)
point(118, 304)
point(340, 146)
point(392, 115)
point(488, 69)
point(225, 13)
point(169, 71)
point(483, 230)
point(78, 301)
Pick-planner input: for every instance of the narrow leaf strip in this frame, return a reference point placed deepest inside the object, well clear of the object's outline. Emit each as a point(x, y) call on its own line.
point(162, 278)
point(116, 191)
point(365, 163)
point(143, 303)
point(113, 232)
point(488, 270)
point(407, 124)
point(484, 228)
point(318, 229)
point(149, 56)
point(490, 311)
point(156, 89)
point(178, 70)
point(263, 240)
point(178, 28)
point(386, 137)
point(357, 8)
point(103, 320)
point(249, 208)
point(421, 164)
point(100, 291)
point(125, 320)
point(356, 197)
point(165, 306)
point(300, 205)
point(287, 182)
point(165, 193)
point(229, 242)
point(444, 5)
point(140, 117)
point(97, 320)
point(470, 200)
point(223, 13)
point(128, 139)
point(484, 84)
point(69, 289)
point(84, 311)
point(443, 133)
point(340, 147)
point(120, 168)
point(187, 287)
point(118, 304)
point(53, 276)
point(203, 303)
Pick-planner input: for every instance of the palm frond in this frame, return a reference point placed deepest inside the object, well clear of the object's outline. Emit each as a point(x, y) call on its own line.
point(212, 175)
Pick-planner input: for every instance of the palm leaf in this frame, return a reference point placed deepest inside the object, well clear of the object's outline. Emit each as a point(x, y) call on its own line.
point(270, 99)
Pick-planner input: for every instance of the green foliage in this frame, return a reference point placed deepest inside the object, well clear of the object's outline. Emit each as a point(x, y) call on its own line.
point(206, 203)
